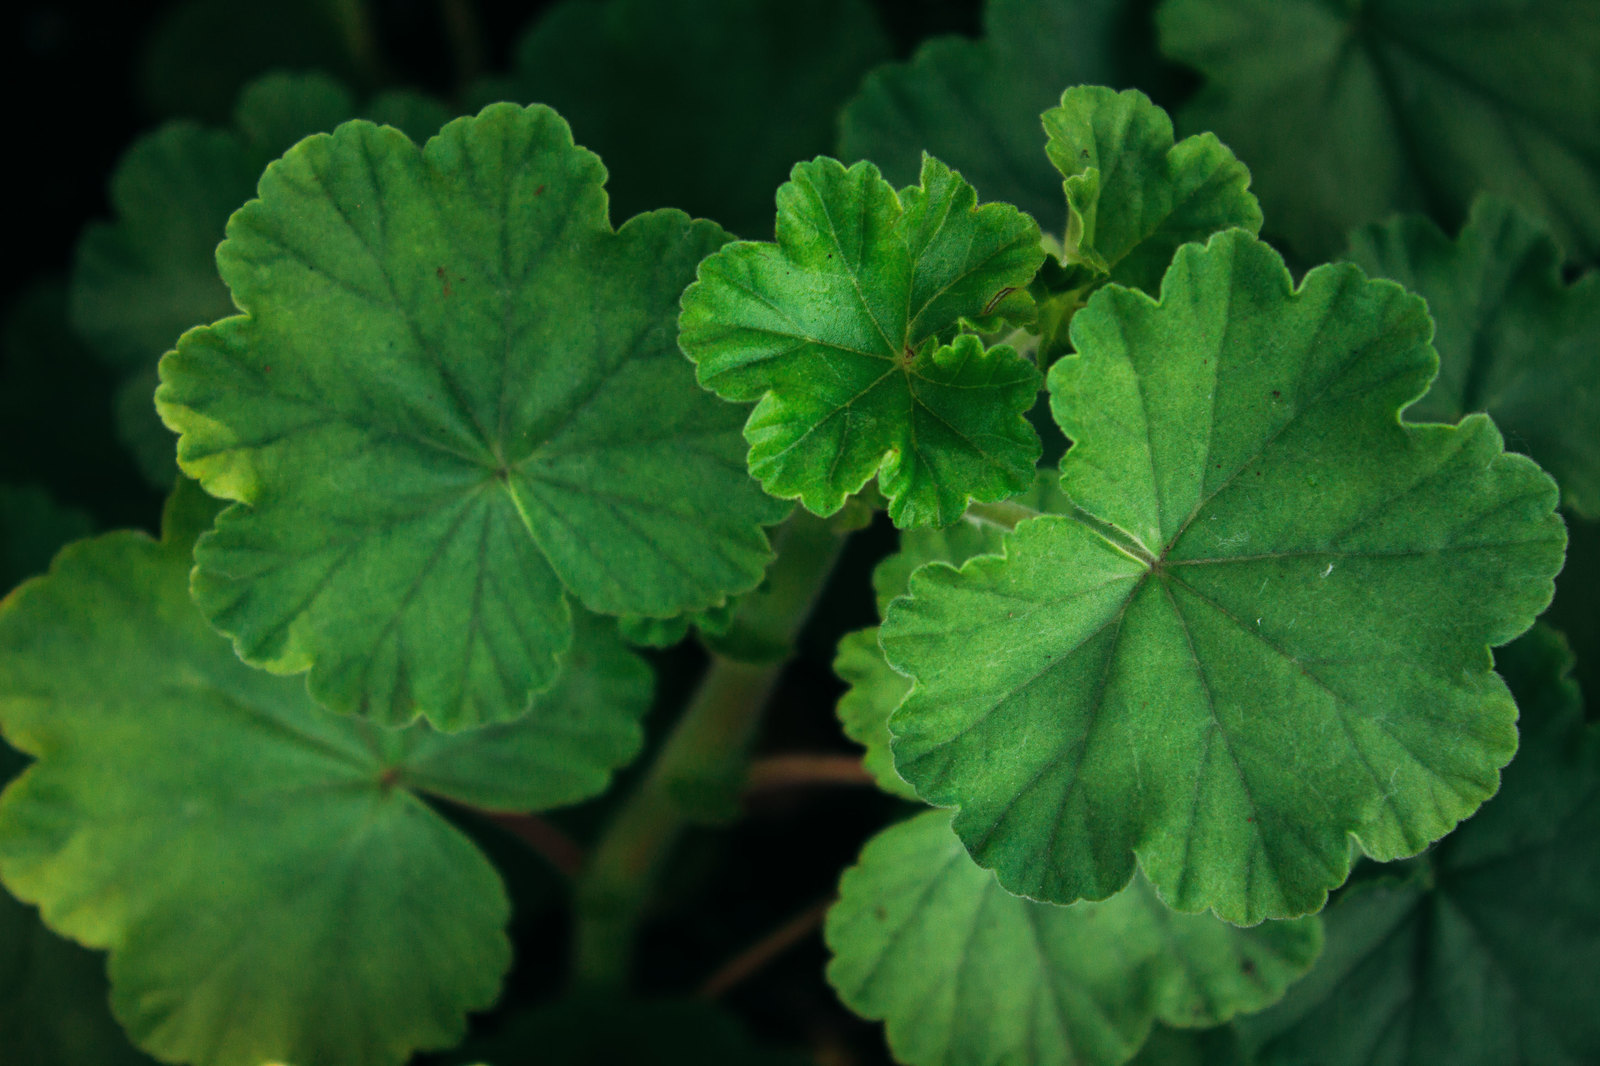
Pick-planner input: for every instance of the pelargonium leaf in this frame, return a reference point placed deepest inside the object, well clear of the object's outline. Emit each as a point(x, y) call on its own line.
point(1346, 112)
point(1265, 626)
point(142, 279)
point(665, 632)
point(875, 691)
point(965, 973)
point(1514, 340)
point(975, 104)
point(1133, 195)
point(453, 399)
point(844, 331)
point(1191, 1047)
point(1485, 950)
point(285, 849)
point(698, 104)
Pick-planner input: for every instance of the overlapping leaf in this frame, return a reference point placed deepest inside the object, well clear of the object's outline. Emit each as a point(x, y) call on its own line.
point(1513, 339)
point(141, 280)
point(965, 973)
point(844, 332)
point(1265, 626)
point(1133, 195)
point(698, 104)
point(454, 397)
point(1346, 112)
point(975, 104)
point(1487, 950)
point(232, 843)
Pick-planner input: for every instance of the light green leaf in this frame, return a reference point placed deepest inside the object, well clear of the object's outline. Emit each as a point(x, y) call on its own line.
point(1484, 951)
point(976, 104)
point(844, 331)
point(1513, 339)
point(1133, 196)
point(1346, 112)
point(1265, 628)
point(286, 860)
point(698, 104)
point(454, 398)
point(965, 973)
point(141, 280)
point(875, 691)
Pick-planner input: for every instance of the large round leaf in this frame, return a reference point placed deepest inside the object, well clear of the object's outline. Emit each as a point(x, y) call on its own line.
point(455, 396)
point(1265, 625)
point(231, 843)
point(967, 974)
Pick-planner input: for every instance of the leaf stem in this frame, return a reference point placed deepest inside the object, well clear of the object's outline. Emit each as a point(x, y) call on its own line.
point(752, 959)
point(700, 768)
point(1006, 514)
point(805, 768)
point(554, 846)
point(355, 23)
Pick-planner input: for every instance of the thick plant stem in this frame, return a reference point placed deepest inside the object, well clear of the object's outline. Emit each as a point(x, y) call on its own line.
point(701, 766)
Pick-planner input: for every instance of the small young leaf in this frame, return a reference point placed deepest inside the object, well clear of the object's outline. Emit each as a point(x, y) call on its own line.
point(454, 398)
point(1265, 626)
point(1133, 196)
point(1513, 339)
point(232, 843)
point(1346, 112)
point(975, 104)
point(965, 973)
point(844, 331)
point(1486, 951)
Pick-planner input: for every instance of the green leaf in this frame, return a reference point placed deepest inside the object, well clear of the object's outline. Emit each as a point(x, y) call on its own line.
point(665, 632)
point(1188, 1047)
point(1346, 112)
point(1484, 952)
point(964, 972)
point(1513, 339)
point(1265, 627)
point(1133, 196)
point(875, 691)
point(976, 103)
point(453, 399)
point(698, 104)
point(141, 280)
point(844, 331)
point(604, 1031)
point(286, 860)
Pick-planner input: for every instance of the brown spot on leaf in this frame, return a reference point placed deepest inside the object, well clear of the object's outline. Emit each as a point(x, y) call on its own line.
point(539, 191)
point(444, 279)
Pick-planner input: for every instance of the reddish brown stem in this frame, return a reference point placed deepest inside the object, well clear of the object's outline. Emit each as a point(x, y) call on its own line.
point(788, 771)
point(558, 849)
point(757, 955)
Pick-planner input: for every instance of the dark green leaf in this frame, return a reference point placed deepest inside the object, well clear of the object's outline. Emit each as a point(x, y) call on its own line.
point(1487, 950)
point(1346, 112)
point(1513, 339)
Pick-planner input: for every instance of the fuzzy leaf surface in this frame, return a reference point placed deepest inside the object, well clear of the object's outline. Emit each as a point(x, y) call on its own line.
point(1486, 951)
point(1133, 195)
point(1265, 627)
point(454, 397)
point(282, 838)
point(975, 104)
point(844, 331)
point(1346, 112)
point(964, 973)
point(1514, 340)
